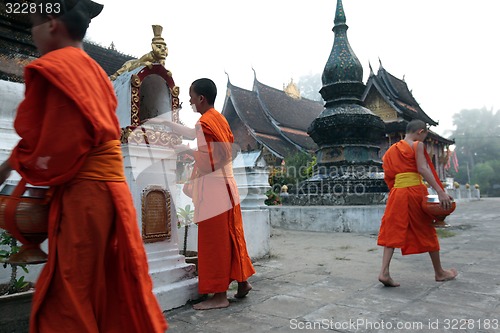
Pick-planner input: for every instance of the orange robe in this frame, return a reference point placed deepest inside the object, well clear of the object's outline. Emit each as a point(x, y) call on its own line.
point(222, 251)
point(404, 224)
point(96, 278)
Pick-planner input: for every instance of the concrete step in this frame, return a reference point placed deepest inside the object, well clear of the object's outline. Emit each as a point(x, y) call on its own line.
point(172, 274)
point(177, 294)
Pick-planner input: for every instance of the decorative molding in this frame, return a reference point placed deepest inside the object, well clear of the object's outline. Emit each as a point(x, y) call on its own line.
point(140, 135)
point(165, 74)
point(137, 134)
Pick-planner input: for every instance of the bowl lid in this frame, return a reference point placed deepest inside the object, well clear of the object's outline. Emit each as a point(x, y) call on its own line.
point(29, 192)
point(432, 198)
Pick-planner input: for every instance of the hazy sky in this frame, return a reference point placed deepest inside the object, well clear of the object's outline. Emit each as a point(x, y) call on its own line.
point(446, 50)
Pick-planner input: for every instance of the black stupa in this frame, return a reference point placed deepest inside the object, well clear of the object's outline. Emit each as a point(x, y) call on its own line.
point(348, 170)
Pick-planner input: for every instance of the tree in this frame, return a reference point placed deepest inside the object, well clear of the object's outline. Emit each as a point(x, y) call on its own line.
point(483, 174)
point(10, 247)
point(477, 135)
point(477, 140)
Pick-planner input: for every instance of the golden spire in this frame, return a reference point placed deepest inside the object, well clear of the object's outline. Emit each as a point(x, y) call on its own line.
point(157, 31)
point(292, 90)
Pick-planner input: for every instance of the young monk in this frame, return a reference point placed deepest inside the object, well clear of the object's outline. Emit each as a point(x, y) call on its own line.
point(96, 277)
point(222, 252)
point(404, 224)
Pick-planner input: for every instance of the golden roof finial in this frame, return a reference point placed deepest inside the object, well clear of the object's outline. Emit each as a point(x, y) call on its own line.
point(292, 90)
point(157, 55)
point(157, 30)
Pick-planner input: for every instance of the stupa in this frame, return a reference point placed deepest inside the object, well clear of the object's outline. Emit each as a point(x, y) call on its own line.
point(348, 170)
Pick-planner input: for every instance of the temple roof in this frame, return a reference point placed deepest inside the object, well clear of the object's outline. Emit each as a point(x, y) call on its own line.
point(244, 105)
point(400, 126)
point(291, 116)
point(17, 48)
point(249, 109)
point(273, 118)
point(396, 93)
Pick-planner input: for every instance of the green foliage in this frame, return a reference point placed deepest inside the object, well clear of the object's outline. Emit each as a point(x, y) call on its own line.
point(10, 247)
point(273, 198)
point(483, 174)
point(295, 169)
point(185, 218)
point(18, 285)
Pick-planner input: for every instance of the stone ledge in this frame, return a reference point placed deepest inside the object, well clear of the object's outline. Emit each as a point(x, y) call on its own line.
point(363, 219)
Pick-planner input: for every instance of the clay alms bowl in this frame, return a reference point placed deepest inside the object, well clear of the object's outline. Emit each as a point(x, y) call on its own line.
point(431, 206)
point(31, 220)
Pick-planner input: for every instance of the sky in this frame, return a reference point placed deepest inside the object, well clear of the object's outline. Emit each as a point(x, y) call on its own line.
point(445, 50)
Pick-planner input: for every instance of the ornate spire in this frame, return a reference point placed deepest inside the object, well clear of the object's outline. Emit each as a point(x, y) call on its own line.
point(292, 90)
point(343, 73)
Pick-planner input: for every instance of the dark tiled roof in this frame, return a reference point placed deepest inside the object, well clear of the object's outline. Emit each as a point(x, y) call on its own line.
point(300, 137)
point(246, 106)
point(109, 59)
point(397, 94)
point(250, 110)
point(277, 120)
point(276, 145)
point(17, 48)
point(289, 115)
point(285, 110)
point(434, 136)
point(400, 126)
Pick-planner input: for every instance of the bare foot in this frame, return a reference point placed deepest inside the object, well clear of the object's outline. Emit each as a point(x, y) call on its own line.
point(387, 281)
point(447, 275)
point(218, 301)
point(243, 289)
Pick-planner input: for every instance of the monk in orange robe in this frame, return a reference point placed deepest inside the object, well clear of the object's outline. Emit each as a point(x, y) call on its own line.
point(404, 224)
point(96, 278)
point(222, 252)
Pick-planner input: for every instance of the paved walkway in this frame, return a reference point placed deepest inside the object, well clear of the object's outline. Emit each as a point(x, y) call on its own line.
point(318, 282)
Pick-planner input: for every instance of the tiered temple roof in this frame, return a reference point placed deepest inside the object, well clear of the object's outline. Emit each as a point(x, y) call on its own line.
point(395, 93)
point(274, 119)
point(271, 118)
point(291, 116)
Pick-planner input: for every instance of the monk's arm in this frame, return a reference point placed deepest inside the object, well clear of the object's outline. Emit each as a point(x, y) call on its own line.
point(426, 172)
point(211, 154)
point(55, 136)
point(5, 170)
point(187, 132)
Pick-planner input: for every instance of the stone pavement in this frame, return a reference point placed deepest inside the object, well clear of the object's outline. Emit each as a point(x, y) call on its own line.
point(318, 282)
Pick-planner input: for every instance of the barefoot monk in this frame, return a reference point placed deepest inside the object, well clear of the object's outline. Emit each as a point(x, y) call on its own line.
point(222, 252)
point(404, 224)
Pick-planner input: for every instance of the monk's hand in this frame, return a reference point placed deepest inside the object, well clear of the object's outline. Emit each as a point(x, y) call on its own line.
point(183, 149)
point(444, 200)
